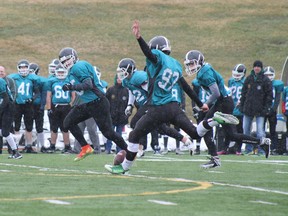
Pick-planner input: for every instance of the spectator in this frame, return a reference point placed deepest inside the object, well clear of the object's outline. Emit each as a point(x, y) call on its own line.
point(117, 96)
point(256, 101)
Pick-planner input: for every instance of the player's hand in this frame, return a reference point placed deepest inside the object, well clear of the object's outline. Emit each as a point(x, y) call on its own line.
point(196, 111)
point(136, 29)
point(67, 87)
point(205, 108)
point(128, 110)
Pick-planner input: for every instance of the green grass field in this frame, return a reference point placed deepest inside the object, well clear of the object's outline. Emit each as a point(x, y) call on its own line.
point(52, 184)
point(228, 32)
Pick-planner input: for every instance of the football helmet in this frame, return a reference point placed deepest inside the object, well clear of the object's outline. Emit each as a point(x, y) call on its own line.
point(125, 67)
point(60, 72)
point(68, 57)
point(238, 72)
point(23, 67)
point(193, 62)
point(97, 71)
point(269, 72)
point(34, 68)
point(160, 43)
point(52, 66)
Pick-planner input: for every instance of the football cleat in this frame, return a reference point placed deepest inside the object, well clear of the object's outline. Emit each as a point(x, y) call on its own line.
point(17, 155)
point(265, 145)
point(117, 169)
point(140, 153)
point(223, 118)
point(214, 162)
point(86, 150)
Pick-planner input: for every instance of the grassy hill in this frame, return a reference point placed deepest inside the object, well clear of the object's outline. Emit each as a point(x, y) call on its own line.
point(226, 31)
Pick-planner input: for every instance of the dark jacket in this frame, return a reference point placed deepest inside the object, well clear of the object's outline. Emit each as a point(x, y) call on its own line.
point(118, 98)
point(257, 95)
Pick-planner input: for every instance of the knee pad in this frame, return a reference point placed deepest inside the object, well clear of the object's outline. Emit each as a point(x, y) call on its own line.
point(133, 147)
point(201, 130)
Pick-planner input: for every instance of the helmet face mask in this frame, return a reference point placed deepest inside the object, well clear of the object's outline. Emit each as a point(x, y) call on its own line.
point(52, 66)
point(239, 72)
point(61, 72)
point(194, 60)
point(68, 57)
point(269, 72)
point(97, 71)
point(160, 43)
point(23, 67)
point(34, 68)
point(126, 67)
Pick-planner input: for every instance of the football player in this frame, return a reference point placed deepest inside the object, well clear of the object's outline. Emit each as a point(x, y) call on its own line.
point(39, 104)
point(285, 112)
point(6, 118)
point(163, 72)
point(27, 86)
point(235, 84)
point(211, 81)
point(199, 115)
point(137, 82)
point(58, 106)
point(278, 87)
point(93, 102)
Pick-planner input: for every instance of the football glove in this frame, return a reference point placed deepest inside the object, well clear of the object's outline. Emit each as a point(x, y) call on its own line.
point(128, 110)
point(67, 87)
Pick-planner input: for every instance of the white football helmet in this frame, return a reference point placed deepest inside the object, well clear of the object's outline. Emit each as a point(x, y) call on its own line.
point(193, 62)
point(23, 67)
point(60, 72)
point(269, 72)
point(52, 66)
point(238, 72)
point(125, 67)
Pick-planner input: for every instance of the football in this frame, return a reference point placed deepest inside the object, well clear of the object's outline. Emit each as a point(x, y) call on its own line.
point(119, 157)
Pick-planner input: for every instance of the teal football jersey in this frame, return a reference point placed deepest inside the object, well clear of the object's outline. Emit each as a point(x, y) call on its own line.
point(236, 89)
point(25, 86)
point(134, 85)
point(42, 85)
point(202, 94)
point(4, 88)
point(285, 100)
point(278, 87)
point(207, 76)
point(80, 71)
point(162, 77)
point(58, 95)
